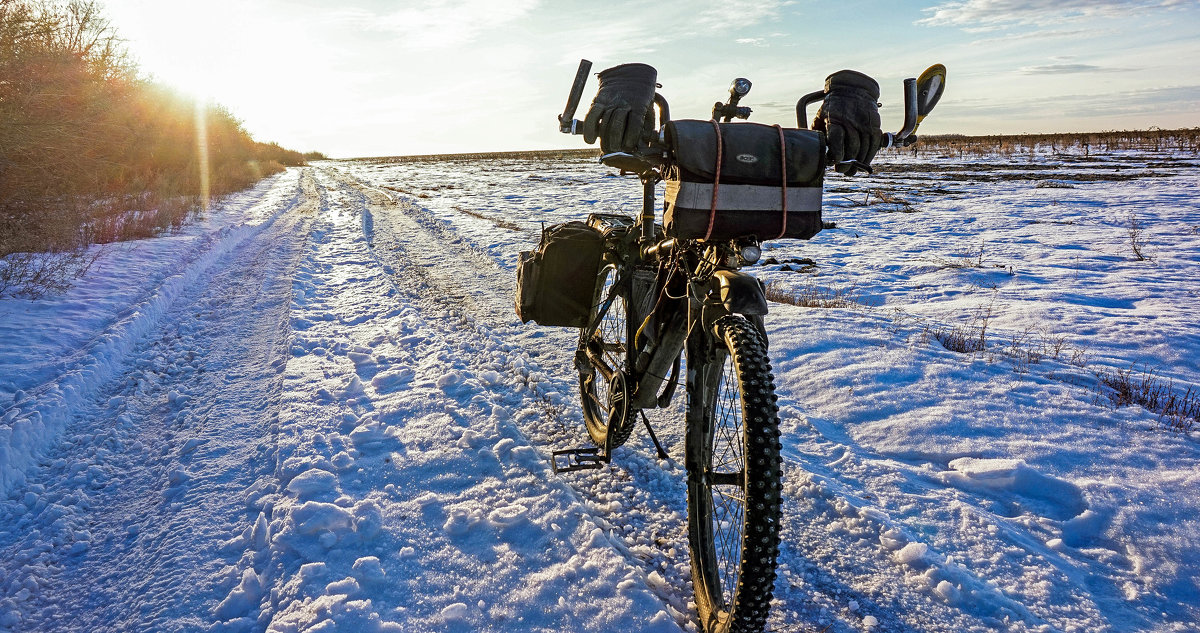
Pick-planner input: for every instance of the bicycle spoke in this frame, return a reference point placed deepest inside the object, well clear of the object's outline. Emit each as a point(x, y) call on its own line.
point(606, 352)
point(732, 590)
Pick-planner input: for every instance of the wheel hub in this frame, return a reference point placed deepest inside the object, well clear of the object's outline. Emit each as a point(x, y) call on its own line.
point(618, 401)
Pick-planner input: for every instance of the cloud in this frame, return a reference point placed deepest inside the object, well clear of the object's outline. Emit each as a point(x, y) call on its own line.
point(1067, 69)
point(634, 27)
point(1134, 104)
point(1008, 37)
point(731, 14)
point(991, 14)
point(441, 24)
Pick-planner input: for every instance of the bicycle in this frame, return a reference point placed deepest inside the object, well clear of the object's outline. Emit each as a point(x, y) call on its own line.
point(663, 293)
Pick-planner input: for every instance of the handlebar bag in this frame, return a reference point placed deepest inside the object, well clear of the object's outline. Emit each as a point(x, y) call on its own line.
point(733, 180)
point(556, 282)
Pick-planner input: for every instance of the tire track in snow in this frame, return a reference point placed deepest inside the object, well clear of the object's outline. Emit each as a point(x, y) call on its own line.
point(403, 474)
point(150, 479)
point(637, 500)
point(37, 418)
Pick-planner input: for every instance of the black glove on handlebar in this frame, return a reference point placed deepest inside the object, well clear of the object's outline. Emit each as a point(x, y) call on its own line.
point(619, 111)
point(850, 119)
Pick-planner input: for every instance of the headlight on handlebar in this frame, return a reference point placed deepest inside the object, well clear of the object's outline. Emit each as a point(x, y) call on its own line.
point(749, 253)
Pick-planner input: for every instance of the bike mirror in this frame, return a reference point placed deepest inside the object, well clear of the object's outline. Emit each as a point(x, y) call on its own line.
point(930, 86)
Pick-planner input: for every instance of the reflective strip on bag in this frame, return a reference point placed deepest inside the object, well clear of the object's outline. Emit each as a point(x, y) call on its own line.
point(698, 195)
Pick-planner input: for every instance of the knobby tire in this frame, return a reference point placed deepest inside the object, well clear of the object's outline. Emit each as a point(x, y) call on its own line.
point(734, 475)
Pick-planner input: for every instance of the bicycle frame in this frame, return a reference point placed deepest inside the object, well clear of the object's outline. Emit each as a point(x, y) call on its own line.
point(714, 288)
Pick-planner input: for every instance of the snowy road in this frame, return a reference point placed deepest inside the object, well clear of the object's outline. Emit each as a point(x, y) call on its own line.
point(316, 408)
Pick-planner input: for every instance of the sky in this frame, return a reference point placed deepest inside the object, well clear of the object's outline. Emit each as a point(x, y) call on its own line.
point(360, 78)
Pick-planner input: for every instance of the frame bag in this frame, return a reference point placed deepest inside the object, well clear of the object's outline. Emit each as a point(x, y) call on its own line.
point(557, 281)
point(734, 180)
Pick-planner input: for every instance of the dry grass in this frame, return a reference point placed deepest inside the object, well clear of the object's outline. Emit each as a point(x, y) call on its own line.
point(886, 200)
point(33, 275)
point(975, 260)
point(810, 295)
point(504, 224)
point(1137, 240)
point(893, 203)
point(1185, 139)
point(1176, 411)
point(551, 154)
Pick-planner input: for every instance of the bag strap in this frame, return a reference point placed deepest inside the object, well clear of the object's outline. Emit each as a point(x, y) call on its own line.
point(783, 182)
point(712, 213)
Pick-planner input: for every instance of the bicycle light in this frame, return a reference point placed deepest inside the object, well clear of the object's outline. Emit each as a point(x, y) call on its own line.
point(739, 88)
point(750, 253)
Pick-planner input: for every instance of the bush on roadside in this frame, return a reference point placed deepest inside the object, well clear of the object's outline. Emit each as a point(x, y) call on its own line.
point(90, 152)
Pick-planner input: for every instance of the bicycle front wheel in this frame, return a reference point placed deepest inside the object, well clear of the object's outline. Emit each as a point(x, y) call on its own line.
point(733, 468)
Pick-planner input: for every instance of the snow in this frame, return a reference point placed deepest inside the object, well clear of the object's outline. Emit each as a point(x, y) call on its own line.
point(314, 409)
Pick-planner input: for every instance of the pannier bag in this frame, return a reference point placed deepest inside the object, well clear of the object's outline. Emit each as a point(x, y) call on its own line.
point(732, 180)
point(556, 282)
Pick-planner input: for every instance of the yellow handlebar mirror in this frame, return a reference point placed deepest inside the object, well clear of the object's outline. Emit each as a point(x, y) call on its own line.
point(930, 86)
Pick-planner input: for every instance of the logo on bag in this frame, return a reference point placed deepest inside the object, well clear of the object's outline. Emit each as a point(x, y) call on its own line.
point(749, 159)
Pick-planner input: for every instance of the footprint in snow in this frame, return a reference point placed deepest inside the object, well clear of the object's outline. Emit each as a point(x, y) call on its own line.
point(1013, 481)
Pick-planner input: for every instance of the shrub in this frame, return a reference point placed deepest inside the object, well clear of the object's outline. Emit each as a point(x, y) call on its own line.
point(1177, 411)
point(90, 152)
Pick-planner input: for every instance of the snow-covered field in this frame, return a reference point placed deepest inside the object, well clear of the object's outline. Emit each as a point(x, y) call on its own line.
point(315, 409)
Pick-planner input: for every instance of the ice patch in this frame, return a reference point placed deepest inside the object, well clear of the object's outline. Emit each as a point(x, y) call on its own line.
point(314, 516)
point(912, 554)
point(368, 569)
point(244, 597)
point(392, 380)
point(313, 483)
point(455, 612)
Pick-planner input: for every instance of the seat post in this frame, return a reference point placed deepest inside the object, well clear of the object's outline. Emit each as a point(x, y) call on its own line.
point(647, 218)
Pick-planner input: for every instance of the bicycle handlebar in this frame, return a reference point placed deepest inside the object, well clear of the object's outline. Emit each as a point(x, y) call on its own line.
point(916, 106)
point(802, 105)
point(567, 123)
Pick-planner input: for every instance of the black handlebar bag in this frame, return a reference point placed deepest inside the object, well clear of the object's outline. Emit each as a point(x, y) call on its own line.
point(732, 180)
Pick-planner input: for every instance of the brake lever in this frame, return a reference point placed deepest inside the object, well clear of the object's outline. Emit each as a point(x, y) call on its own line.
point(855, 165)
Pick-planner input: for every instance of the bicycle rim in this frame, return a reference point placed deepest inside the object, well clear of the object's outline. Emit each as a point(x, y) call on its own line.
point(609, 341)
point(733, 479)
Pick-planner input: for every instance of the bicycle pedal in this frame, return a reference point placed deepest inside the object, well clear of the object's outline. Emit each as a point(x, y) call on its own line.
point(572, 459)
